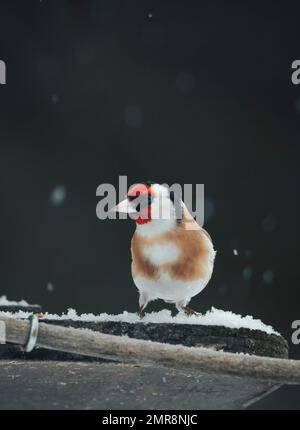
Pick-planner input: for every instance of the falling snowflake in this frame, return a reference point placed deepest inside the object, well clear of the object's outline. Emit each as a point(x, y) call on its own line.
point(58, 195)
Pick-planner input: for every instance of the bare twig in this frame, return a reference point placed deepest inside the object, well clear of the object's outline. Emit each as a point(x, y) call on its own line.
point(89, 343)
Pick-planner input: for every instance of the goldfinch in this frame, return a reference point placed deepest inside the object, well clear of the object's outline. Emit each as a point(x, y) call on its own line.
point(172, 256)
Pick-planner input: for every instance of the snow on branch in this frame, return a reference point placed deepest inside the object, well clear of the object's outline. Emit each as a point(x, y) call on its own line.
point(216, 317)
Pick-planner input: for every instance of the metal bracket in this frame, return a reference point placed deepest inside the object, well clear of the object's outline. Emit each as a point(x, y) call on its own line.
point(33, 333)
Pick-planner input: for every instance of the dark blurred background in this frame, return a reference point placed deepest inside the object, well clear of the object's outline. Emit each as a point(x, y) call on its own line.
point(173, 91)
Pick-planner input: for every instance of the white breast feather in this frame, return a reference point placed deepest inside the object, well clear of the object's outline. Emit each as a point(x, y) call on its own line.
point(161, 254)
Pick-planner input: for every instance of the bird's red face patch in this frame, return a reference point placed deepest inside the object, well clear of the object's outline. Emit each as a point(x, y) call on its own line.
point(141, 196)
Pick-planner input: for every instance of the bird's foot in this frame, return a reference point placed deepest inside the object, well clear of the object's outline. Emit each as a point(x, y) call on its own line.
point(189, 311)
point(141, 312)
point(39, 315)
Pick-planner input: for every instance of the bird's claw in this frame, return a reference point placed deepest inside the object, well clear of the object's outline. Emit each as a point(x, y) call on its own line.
point(141, 313)
point(39, 315)
point(189, 311)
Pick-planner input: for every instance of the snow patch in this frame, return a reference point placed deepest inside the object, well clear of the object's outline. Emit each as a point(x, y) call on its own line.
point(5, 302)
point(215, 317)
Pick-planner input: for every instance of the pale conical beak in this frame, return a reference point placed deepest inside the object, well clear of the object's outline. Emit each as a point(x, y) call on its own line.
point(124, 206)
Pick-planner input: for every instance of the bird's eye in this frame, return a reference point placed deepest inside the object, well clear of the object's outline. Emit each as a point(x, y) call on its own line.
point(142, 202)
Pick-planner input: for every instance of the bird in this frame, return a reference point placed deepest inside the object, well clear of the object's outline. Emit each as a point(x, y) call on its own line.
point(172, 256)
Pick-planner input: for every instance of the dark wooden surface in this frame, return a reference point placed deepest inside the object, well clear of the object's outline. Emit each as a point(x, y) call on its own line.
point(45, 379)
point(16, 308)
point(241, 340)
point(79, 385)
